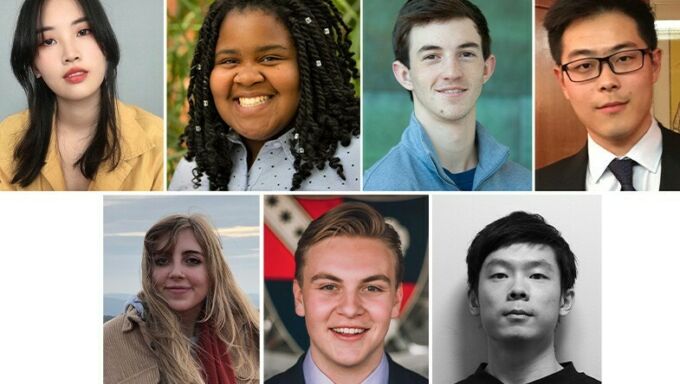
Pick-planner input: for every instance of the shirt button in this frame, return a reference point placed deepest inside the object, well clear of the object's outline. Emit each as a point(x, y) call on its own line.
point(277, 145)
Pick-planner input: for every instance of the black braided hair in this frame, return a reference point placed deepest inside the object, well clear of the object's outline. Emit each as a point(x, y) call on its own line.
point(328, 111)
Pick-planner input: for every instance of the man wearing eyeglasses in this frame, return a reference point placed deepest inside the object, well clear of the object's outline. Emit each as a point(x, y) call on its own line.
point(607, 62)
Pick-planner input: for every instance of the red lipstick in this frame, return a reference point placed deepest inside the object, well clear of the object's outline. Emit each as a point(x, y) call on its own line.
point(75, 75)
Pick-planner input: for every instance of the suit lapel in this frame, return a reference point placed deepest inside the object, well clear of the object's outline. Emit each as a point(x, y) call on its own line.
point(670, 161)
point(575, 171)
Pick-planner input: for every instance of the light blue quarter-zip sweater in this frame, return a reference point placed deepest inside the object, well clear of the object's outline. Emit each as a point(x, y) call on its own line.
point(413, 165)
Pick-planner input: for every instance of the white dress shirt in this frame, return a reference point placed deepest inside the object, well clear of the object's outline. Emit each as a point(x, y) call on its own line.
point(646, 173)
point(313, 374)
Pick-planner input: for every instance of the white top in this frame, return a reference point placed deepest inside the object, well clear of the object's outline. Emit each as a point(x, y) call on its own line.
point(646, 173)
point(313, 374)
point(273, 169)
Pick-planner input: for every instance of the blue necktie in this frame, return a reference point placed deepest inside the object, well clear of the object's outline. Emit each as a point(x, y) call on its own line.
point(623, 171)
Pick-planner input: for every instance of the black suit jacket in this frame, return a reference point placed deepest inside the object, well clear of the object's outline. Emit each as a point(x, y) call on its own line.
point(569, 174)
point(398, 374)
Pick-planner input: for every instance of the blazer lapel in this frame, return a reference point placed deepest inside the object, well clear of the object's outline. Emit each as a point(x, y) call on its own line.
point(670, 161)
point(575, 171)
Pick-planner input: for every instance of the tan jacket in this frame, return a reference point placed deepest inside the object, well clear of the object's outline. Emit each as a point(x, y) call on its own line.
point(127, 351)
point(140, 168)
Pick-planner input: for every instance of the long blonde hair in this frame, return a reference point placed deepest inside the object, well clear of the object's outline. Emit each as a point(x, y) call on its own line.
point(227, 308)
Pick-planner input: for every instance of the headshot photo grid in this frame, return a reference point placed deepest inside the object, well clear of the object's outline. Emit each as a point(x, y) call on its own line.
point(339, 191)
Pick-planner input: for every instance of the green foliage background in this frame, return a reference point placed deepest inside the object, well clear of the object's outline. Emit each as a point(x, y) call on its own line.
point(184, 22)
point(504, 107)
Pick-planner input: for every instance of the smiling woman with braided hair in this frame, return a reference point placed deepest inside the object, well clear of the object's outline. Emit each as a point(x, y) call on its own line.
point(271, 100)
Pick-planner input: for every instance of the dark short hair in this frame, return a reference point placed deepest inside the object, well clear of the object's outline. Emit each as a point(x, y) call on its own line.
point(520, 228)
point(355, 220)
point(561, 15)
point(419, 12)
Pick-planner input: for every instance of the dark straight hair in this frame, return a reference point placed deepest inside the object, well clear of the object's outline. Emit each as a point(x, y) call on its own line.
point(31, 150)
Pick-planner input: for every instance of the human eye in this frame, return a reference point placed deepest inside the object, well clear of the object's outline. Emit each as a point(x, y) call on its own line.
point(467, 55)
point(328, 287)
point(270, 59)
point(160, 260)
point(227, 61)
point(193, 261)
point(583, 66)
point(84, 32)
point(374, 288)
point(48, 42)
point(538, 276)
point(430, 57)
point(498, 276)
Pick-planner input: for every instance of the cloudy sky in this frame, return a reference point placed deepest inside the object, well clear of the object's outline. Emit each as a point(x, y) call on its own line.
point(127, 218)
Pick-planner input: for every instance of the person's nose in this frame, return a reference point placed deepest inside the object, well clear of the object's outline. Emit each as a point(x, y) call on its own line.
point(608, 80)
point(248, 75)
point(452, 67)
point(176, 271)
point(518, 290)
point(71, 53)
point(350, 304)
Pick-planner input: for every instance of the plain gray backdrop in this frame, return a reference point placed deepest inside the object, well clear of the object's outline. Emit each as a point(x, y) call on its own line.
point(459, 343)
point(138, 25)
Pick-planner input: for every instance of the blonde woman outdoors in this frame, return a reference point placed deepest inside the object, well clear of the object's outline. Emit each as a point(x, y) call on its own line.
point(190, 323)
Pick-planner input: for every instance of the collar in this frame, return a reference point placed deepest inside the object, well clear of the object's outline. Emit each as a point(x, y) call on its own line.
point(313, 374)
point(134, 142)
point(280, 142)
point(567, 372)
point(491, 155)
point(646, 152)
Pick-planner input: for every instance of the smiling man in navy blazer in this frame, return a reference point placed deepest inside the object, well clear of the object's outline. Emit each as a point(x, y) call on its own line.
point(607, 62)
point(348, 273)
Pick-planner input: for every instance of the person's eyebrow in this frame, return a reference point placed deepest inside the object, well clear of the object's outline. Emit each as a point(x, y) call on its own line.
point(497, 263)
point(524, 265)
point(271, 47)
point(76, 21)
point(325, 276)
point(425, 48)
point(431, 47)
point(264, 48)
point(468, 45)
point(192, 252)
point(538, 264)
point(378, 277)
point(592, 53)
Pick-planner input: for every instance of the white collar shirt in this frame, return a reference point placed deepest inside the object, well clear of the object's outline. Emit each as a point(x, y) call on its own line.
point(646, 173)
point(313, 374)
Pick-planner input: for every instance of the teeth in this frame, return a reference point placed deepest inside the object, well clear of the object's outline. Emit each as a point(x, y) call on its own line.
point(252, 101)
point(453, 91)
point(349, 331)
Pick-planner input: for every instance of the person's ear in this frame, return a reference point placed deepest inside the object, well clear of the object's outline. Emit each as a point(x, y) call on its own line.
point(489, 67)
point(473, 303)
point(299, 300)
point(396, 306)
point(403, 74)
point(36, 73)
point(566, 302)
point(656, 56)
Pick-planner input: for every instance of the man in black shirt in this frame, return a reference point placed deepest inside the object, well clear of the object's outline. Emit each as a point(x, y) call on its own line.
point(521, 275)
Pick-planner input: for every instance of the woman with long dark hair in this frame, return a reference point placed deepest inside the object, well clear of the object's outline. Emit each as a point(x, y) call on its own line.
point(75, 134)
point(271, 100)
point(191, 323)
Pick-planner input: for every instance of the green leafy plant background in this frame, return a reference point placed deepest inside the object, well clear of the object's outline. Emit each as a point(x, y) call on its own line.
point(184, 22)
